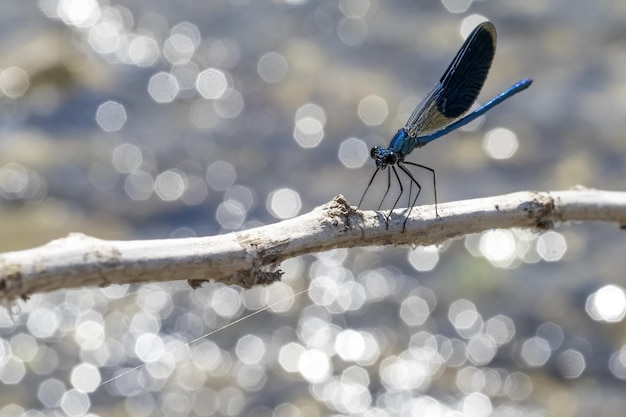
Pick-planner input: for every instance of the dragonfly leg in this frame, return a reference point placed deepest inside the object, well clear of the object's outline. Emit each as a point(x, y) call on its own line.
point(387, 191)
point(411, 202)
point(395, 203)
point(432, 171)
point(368, 187)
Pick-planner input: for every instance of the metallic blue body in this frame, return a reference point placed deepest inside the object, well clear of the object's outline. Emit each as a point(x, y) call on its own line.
point(442, 110)
point(403, 142)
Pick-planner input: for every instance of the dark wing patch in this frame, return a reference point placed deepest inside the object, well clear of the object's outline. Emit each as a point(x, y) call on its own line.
point(467, 73)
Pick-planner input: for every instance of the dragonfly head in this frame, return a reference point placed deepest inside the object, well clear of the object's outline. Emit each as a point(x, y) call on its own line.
point(383, 157)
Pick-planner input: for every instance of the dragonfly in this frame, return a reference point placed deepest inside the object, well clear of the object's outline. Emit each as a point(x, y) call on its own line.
point(440, 112)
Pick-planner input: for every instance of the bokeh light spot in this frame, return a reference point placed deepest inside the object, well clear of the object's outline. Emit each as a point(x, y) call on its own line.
point(127, 158)
point(498, 246)
point(617, 363)
point(465, 318)
point(85, 377)
point(90, 334)
point(501, 329)
point(250, 349)
point(111, 116)
point(272, 67)
point(75, 403)
point(226, 302)
point(221, 175)
point(279, 296)
point(518, 386)
point(14, 82)
point(314, 366)
point(552, 333)
point(373, 110)
point(50, 392)
point(607, 304)
point(243, 195)
point(139, 185)
point(424, 258)
point(149, 347)
point(42, 323)
point(551, 246)
point(500, 143)
point(12, 370)
point(481, 349)
point(211, 83)
point(178, 49)
point(309, 124)
point(535, 351)
point(289, 356)
point(353, 153)
point(311, 110)
point(170, 185)
point(79, 13)
point(230, 214)
point(23, 346)
point(104, 38)
point(414, 310)
point(143, 51)
point(400, 373)
point(456, 6)
point(284, 203)
point(308, 132)
point(14, 181)
point(163, 87)
point(350, 345)
point(186, 75)
point(477, 405)
point(570, 363)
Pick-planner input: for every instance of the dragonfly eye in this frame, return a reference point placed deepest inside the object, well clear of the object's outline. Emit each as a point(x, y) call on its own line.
point(374, 152)
point(391, 158)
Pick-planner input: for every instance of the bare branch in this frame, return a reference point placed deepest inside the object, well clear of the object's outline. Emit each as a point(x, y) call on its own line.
point(251, 257)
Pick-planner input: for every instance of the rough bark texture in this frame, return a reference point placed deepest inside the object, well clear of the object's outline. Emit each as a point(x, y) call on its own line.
point(252, 257)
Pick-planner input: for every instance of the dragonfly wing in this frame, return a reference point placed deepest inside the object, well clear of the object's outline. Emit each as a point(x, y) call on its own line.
point(467, 73)
point(427, 117)
point(459, 86)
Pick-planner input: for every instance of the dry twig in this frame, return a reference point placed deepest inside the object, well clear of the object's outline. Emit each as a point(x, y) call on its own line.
point(251, 257)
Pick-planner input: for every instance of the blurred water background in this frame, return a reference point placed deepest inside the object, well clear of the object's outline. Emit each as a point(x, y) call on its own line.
point(155, 119)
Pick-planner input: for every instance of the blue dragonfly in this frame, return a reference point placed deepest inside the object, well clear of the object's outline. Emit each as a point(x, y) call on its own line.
point(441, 111)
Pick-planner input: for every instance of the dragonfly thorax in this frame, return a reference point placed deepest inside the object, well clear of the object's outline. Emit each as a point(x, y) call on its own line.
point(384, 157)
